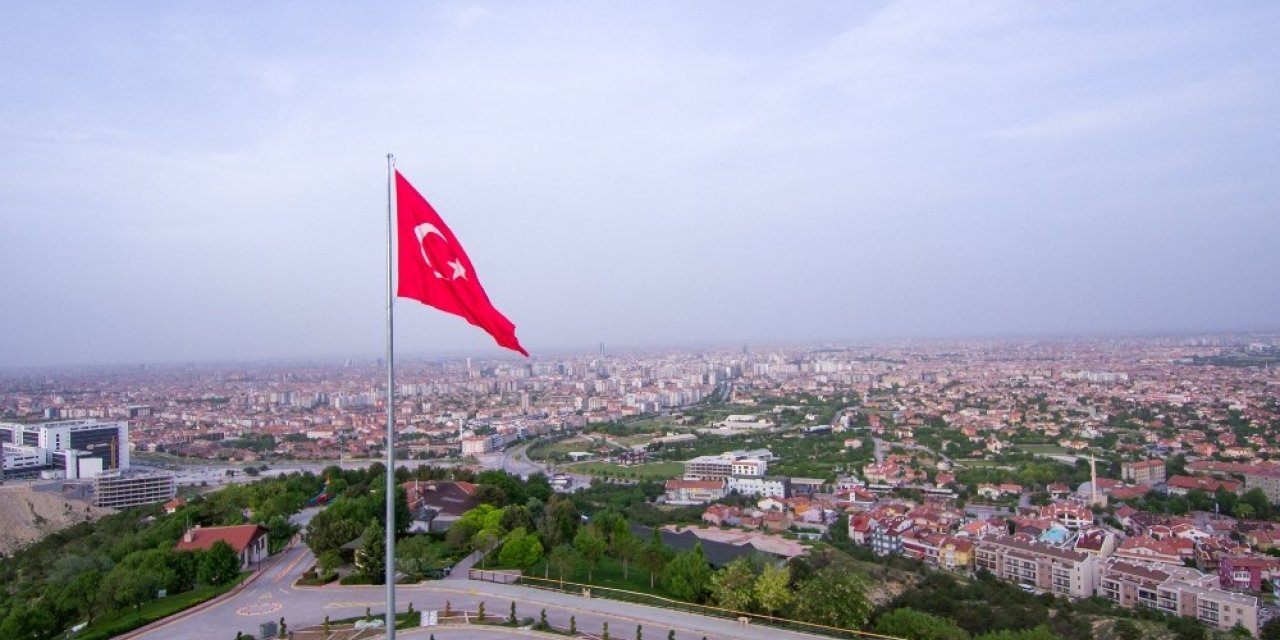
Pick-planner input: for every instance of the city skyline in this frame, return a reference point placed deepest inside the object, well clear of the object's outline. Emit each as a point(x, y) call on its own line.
point(183, 185)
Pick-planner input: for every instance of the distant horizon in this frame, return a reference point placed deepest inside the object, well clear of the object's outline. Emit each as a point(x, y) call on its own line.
point(498, 355)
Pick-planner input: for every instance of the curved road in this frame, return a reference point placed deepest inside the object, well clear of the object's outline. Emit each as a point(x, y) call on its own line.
point(271, 595)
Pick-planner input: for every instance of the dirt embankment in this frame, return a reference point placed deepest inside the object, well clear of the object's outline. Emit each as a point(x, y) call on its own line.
point(27, 515)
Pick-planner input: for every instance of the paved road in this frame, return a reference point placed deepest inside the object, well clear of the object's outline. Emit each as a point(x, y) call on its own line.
point(271, 597)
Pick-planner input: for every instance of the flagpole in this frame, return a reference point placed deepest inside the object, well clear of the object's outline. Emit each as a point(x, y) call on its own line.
point(391, 412)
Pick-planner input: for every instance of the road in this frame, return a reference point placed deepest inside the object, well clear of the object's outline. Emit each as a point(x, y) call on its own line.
point(272, 596)
point(514, 461)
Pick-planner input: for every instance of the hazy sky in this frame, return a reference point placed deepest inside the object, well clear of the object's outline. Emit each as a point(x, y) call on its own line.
point(190, 181)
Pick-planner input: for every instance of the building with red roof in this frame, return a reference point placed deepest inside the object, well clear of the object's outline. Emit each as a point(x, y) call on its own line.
point(249, 541)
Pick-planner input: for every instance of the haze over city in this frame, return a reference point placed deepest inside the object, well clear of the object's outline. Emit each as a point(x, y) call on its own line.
point(184, 182)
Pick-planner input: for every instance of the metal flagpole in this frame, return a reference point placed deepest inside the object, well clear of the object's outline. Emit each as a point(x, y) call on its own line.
point(391, 412)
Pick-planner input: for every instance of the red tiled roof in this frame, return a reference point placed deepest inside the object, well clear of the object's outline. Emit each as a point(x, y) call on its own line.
point(239, 537)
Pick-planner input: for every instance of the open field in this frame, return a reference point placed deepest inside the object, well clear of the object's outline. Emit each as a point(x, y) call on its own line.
point(652, 470)
point(1049, 449)
point(561, 449)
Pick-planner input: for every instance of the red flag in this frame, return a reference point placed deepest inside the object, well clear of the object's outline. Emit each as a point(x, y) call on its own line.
point(435, 271)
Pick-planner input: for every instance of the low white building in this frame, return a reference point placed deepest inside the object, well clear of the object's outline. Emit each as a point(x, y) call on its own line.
point(760, 486)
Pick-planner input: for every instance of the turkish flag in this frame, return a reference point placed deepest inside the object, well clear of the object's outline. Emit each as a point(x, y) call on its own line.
point(435, 271)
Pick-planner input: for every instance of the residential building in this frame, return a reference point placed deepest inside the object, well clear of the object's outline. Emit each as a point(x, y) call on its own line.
point(1064, 572)
point(1148, 472)
point(886, 534)
point(1178, 591)
point(1247, 572)
point(249, 541)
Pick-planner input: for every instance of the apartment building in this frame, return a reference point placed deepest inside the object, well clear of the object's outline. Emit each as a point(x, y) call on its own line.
point(1266, 479)
point(1148, 472)
point(1065, 572)
point(1179, 591)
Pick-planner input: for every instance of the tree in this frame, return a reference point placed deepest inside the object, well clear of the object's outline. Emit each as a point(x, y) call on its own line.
point(1261, 504)
point(220, 564)
point(1270, 630)
point(772, 589)
point(833, 597)
point(516, 517)
point(560, 521)
point(688, 576)
point(1186, 628)
point(626, 548)
point(591, 547)
point(522, 549)
point(653, 557)
point(917, 625)
point(1127, 630)
point(373, 554)
point(561, 558)
point(484, 542)
point(34, 622)
point(417, 556)
point(326, 532)
point(731, 586)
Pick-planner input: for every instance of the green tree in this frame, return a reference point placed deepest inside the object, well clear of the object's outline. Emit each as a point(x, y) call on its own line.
point(1270, 630)
point(562, 558)
point(522, 549)
point(731, 586)
point(220, 564)
point(591, 547)
point(833, 597)
point(772, 589)
point(373, 554)
point(653, 557)
point(917, 625)
point(688, 576)
point(327, 533)
point(1127, 630)
point(417, 556)
point(626, 548)
point(29, 623)
point(1186, 628)
point(560, 521)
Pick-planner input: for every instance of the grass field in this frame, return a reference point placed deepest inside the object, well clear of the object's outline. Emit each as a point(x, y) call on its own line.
point(560, 449)
point(653, 470)
point(1050, 449)
point(607, 573)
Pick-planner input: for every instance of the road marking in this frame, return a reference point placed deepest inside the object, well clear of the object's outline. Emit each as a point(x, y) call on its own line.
point(349, 605)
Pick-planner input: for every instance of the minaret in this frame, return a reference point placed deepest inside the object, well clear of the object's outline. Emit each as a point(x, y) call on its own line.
point(1093, 480)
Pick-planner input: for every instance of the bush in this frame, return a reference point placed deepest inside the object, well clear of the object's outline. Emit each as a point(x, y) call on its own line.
point(356, 579)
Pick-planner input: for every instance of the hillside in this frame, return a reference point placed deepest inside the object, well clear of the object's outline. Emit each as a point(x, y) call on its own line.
point(27, 515)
